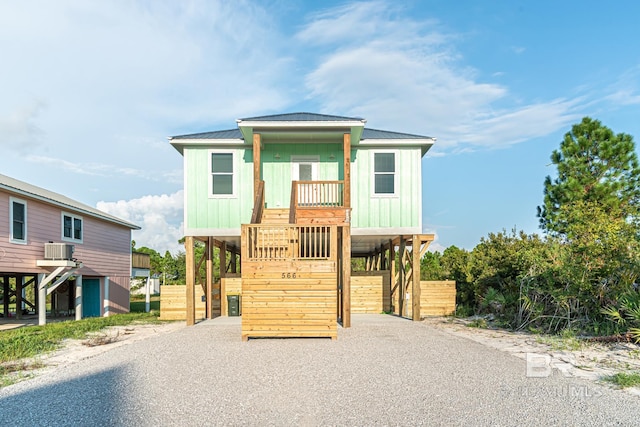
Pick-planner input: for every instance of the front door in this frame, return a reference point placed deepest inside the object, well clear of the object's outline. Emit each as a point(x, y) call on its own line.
point(305, 168)
point(90, 297)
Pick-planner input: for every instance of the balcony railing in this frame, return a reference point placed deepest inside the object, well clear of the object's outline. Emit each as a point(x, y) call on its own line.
point(288, 242)
point(318, 194)
point(312, 195)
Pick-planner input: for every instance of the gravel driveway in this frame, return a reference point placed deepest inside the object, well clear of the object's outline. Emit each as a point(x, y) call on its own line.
point(382, 371)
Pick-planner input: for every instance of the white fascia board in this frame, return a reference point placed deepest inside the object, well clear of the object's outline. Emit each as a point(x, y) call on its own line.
point(425, 144)
point(180, 144)
point(391, 231)
point(215, 232)
point(301, 124)
point(396, 142)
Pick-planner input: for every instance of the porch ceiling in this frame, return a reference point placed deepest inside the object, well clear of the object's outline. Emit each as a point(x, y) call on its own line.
point(322, 136)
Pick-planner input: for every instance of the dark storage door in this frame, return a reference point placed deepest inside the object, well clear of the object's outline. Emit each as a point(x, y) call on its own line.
point(90, 297)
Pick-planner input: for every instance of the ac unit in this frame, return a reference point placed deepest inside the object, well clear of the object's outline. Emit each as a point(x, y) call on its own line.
point(58, 251)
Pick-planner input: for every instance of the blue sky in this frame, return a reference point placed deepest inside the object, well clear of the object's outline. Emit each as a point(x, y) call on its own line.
point(89, 92)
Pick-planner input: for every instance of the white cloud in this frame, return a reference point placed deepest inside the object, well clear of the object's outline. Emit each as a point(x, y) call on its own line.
point(405, 73)
point(106, 170)
point(19, 129)
point(160, 216)
point(626, 90)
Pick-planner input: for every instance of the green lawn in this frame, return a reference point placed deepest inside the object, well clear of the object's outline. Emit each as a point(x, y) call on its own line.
point(137, 303)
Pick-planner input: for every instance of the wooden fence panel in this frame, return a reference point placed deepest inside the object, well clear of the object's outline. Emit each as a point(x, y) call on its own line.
point(173, 302)
point(438, 298)
point(370, 292)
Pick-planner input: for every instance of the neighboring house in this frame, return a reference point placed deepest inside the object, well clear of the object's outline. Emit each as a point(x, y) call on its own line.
point(53, 245)
point(296, 196)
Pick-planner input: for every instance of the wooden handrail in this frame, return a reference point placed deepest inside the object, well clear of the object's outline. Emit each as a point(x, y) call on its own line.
point(258, 204)
point(293, 202)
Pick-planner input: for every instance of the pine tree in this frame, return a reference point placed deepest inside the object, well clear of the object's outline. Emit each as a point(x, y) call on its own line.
point(595, 168)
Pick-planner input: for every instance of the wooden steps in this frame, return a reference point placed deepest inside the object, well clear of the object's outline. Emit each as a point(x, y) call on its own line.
point(275, 216)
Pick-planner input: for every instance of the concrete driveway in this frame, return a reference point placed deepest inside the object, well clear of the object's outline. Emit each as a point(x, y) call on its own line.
point(382, 371)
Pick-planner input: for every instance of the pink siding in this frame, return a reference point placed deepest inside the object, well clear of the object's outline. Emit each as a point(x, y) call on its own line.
point(119, 294)
point(105, 250)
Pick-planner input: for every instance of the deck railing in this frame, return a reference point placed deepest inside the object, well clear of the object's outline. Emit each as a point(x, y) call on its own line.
point(315, 195)
point(318, 194)
point(288, 242)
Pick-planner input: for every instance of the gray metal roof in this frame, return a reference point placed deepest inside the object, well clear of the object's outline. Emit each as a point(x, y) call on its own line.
point(368, 133)
point(218, 134)
point(301, 117)
point(27, 190)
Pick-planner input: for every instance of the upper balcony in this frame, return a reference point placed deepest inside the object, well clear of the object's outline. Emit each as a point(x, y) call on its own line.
point(318, 202)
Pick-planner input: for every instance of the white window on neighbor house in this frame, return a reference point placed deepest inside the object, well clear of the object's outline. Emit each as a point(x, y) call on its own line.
point(384, 173)
point(72, 228)
point(17, 220)
point(221, 181)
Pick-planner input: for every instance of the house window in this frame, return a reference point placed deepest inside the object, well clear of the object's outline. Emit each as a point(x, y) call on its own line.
point(18, 221)
point(222, 174)
point(71, 228)
point(384, 173)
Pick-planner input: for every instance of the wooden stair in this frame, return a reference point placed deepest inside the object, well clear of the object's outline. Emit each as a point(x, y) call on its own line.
point(275, 216)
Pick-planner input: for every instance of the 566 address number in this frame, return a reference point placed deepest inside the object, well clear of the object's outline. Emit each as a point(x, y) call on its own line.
point(288, 275)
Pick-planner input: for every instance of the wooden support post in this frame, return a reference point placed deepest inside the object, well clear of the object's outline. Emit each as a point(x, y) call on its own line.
point(19, 297)
point(5, 293)
point(383, 258)
point(190, 280)
point(346, 149)
point(35, 293)
point(401, 277)
point(223, 259)
point(415, 285)
point(209, 287)
point(234, 262)
point(256, 163)
point(392, 273)
point(335, 256)
point(223, 270)
point(346, 276)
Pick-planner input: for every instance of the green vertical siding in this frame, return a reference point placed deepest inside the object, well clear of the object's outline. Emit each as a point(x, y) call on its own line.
point(203, 212)
point(402, 210)
point(276, 173)
point(368, 211)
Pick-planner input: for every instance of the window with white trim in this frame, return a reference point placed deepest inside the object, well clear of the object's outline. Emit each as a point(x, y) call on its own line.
point(384, 173)
point(221, 179)
point(18, 220)
point(71, 228)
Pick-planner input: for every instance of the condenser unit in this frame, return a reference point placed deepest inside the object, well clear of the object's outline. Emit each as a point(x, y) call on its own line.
point(58, 251)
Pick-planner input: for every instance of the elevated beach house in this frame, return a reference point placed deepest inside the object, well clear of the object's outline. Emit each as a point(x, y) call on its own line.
point(57, 249)
point(290, 199)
